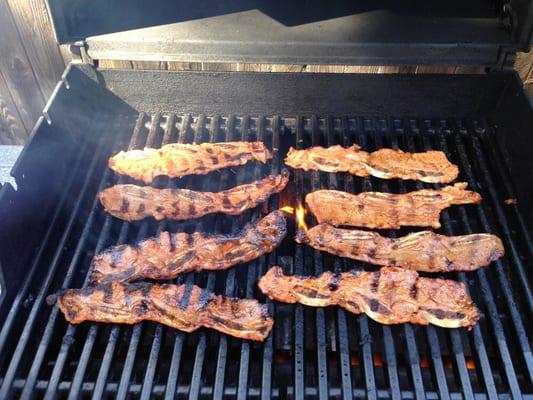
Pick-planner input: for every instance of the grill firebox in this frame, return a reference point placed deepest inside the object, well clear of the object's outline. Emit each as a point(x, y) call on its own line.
point(314, 353)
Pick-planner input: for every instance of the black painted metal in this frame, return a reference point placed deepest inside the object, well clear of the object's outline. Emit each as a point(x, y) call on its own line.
point(273, 31)
point(312, 353)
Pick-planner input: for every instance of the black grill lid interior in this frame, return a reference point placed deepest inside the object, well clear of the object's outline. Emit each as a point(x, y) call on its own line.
point(384, 32)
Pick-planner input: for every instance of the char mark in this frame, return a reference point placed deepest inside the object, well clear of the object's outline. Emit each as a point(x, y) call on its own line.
point(225, 202)
point(232, 324)
point(238, 253)
point(414, 291)
point(141, 208)
point(181, 260)
point(334, 284)
point(381, 169)
point(374, 284)
point(311, 293)
point(141, 308)
point(443, 314)
point(232, 158)
point(125, 205)
point(108, 292)
point(116, 256)
point(325, 162)
point(172, 238)
point(377, 307)
point(176, 207)
point(422, 172)
point(354, 305)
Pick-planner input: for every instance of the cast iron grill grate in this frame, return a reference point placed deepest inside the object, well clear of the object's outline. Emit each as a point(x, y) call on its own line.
point(313, 353)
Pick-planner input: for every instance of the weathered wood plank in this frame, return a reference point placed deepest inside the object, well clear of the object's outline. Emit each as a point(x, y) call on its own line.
point(64, 49)
point(149, 65)
point(219, 67)
point(17, 71)
point(469, 70)
point(358, 69)
point(35, 29)
point(523, 64)
point(117, 64)
point(11, 128)
point(184, 66)
point(424, 69)
point(324, 68)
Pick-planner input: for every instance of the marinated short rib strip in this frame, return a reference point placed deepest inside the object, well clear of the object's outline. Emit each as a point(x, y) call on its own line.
point(422, 251)
point(177, 160)
point(123, 303)
point(387, 210)
point(133, 203)
point(429, 166)
point(171, 254)
point(390, 295)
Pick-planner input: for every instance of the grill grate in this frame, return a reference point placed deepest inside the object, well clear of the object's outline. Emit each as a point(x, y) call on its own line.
point(315, 353)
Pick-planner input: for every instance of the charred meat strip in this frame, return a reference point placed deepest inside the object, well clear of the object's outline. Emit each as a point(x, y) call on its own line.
point(170, 254)
point(133, 203)
point(429, 166)
point(182, 307)
point(177, 160)
point(390, 295)
point(387, 210)
point(422, 251)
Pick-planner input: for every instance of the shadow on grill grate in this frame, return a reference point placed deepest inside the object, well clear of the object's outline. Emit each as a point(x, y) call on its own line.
point(313, 352)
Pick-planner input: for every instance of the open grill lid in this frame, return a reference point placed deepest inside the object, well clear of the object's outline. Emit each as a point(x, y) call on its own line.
point(370, 32)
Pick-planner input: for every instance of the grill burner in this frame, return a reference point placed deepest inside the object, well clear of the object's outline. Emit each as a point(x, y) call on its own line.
point(312, 352)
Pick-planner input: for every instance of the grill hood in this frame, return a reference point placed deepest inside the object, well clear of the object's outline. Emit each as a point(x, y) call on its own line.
point(451, 33)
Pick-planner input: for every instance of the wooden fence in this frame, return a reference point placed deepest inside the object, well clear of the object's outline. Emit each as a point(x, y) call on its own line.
point(31, 63)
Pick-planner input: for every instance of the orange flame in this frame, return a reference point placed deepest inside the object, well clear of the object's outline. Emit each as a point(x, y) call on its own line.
point(299, 214)
point(300, 217)
point(288, 209)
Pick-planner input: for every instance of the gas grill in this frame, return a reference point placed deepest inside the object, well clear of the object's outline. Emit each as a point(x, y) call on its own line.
point(52, 223)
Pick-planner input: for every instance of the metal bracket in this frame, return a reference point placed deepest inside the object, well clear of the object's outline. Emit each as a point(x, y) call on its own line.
point(82, 46)
point(506, 59)
point(509, 19)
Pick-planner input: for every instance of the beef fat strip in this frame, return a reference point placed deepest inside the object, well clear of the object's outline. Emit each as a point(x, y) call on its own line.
point(387, 210)
point(390, 295)
point(170, 254)
point(422, 251)
point(177, 160)
point(429, 166)
point(122, 303)
point(133, 203)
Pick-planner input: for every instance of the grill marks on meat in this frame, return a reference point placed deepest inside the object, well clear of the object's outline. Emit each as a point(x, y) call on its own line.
point(177, 160)
point(422, 251)
point(389, 296)
point(133, 203)
point(430, 166)
point(387, 210)
point(171, 254)
point(183, 307)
